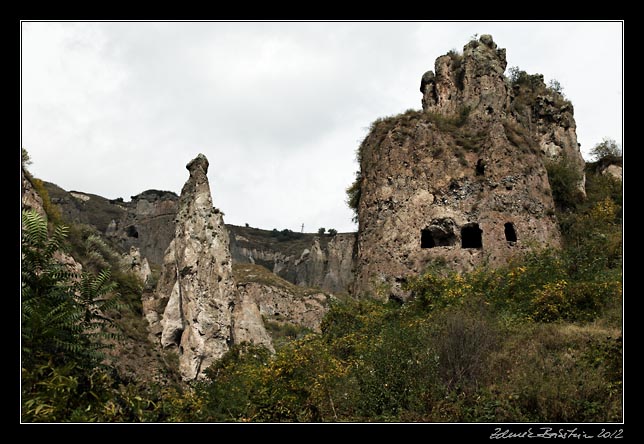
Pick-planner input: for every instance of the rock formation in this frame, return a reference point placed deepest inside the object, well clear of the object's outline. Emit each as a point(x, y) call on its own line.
point(30, 198)
point(278, 300)
point(462, 182)
point(133, 262)
point(196, 279)
point(147, 222)
point(315, 261)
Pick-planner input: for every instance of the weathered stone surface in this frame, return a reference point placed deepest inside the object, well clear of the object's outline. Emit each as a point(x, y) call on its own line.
point(196, 280)
point(133, 262)
point(248, 325)
point(31, 200)
point(614, 171)
point(462, 182)
point(147, 222)
point(326, 264)
point(277, 303)
point(278, 300)
point(474, 79)
point(263, 296)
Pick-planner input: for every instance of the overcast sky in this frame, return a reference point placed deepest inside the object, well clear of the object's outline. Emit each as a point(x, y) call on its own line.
point(278, 108)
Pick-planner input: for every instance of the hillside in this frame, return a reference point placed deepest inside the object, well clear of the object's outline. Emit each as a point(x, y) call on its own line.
point(147, 223)
point(484, 283)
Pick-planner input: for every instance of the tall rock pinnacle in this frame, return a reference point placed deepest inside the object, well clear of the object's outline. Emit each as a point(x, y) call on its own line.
point(196, 279)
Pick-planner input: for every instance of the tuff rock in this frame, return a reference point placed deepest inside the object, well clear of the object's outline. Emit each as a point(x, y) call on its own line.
point(462, 182)
point(196, 280)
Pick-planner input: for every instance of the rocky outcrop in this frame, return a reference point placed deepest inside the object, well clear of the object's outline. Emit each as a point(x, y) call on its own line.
point(132, 262)
point(281, 305)
point(264, 298)
point(462, 182)
point(30, 198)
point(248, 324)
point(614, 171)
point(147, 222)
point(196, 280)
point(324, 262)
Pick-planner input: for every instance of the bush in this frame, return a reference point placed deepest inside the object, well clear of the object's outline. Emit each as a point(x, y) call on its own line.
point(564, 182)
point(607, 148)
point(52, 211)
point(353, 195)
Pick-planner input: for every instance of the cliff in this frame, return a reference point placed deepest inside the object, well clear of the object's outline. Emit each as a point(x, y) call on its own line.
point(462, 182)
point(147, 222)
point(199, 309)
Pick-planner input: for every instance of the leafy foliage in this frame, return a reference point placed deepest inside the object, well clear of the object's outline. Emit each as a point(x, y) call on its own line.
point(538, 340)
point(607, 148)
point(564, 179)
point(64, 324)
point(52, 211)
point(354, 191)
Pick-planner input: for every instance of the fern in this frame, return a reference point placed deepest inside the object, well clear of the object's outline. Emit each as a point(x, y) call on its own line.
point(63, 312)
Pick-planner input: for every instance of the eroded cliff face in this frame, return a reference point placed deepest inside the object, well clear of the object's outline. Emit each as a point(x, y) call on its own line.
point(324, 262)
point(475, 80)
point(147, 222)
point(264, 298)
point(30, 198)
point(196, 280)
point(462, 182)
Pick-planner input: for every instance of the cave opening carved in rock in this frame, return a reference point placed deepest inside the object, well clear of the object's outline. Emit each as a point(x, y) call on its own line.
point(440, 233)
point(132, 231)
point(471, 236)
point(510, 233)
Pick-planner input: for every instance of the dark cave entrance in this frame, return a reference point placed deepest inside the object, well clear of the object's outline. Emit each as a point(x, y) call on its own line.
point(480, 168)
point(132, 231)
point(471, 236)
point(426, 239)
point(439, 234)
point(510, 233)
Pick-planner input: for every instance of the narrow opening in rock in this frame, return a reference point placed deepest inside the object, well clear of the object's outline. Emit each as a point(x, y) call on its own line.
point(471, 236)
point(426, 239)
point(480, 167)
point(132, 231)
point(510, 234)
point(176, 337)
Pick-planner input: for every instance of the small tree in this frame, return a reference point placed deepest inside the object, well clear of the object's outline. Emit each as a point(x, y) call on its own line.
point(321, 231)
point(555, 86)
point(607, 148)
point(25, 158)
point(332, 232)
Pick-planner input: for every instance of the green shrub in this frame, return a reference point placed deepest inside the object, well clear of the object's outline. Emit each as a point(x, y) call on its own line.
point(607, 148)
point(52, 211)
point(564, 180)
